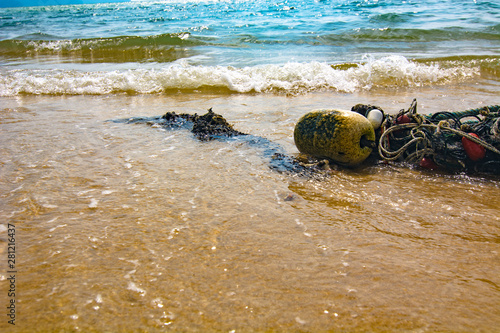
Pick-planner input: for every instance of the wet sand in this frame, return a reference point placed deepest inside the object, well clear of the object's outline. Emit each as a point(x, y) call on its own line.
point(130, 228)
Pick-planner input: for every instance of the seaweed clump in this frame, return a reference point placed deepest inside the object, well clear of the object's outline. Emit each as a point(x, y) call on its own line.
point(213, 126)
point(205, 127)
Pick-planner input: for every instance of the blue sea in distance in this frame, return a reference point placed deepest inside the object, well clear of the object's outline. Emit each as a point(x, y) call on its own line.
point(257, 46)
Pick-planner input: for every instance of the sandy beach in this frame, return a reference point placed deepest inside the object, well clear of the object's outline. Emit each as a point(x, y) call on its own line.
point(125, 227)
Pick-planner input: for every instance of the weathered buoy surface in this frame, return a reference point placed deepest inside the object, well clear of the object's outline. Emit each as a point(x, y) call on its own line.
point(345, 137)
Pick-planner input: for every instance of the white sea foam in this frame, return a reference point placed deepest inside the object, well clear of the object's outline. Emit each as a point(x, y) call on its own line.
point(392, 71)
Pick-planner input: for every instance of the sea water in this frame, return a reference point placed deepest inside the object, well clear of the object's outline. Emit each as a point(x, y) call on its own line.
point(246, 46)
point(129, 227)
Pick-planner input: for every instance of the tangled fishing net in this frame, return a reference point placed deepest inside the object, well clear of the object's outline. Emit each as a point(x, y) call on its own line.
point(464, 141)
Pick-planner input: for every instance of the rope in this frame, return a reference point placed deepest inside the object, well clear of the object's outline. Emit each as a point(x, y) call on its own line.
point(439, 134)
point(394, 155)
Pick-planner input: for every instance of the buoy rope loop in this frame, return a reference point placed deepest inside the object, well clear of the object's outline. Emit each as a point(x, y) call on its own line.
point(394, 155)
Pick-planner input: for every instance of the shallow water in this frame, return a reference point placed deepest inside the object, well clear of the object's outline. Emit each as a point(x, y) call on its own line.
point(126, 227)
point(123, 227)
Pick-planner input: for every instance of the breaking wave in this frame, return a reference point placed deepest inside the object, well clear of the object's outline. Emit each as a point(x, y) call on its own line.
point(109, 49)
point(290, 78)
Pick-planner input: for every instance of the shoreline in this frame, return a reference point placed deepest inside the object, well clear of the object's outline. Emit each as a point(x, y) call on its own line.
point(430, 99)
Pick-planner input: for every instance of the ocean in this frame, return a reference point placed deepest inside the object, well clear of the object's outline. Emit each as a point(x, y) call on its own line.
point(246, 46)
point(107, 226)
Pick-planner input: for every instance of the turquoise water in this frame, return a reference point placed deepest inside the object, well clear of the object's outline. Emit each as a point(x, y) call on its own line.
point(247, 46)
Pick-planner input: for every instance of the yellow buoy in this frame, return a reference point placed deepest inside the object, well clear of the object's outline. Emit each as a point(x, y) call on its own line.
point(345, 137)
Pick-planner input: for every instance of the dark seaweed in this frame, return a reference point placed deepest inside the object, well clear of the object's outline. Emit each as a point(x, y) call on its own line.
point(213, 126)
